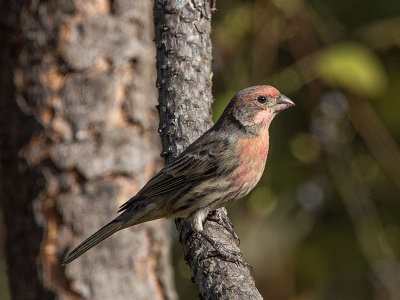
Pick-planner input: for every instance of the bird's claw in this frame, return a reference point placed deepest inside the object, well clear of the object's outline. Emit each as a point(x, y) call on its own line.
point(219, 250)
point(234, 257)
point(223, 220)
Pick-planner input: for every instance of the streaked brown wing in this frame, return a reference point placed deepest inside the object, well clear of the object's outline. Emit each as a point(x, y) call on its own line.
point(192, 166)
point(192, 169)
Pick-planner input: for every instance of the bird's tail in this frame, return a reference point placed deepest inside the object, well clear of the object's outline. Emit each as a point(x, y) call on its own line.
point(94, 239)
point(138, 212)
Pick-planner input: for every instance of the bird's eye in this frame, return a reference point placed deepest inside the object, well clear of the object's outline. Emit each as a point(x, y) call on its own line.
point(262, 99)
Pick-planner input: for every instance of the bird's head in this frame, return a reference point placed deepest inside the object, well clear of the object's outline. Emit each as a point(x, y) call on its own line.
point(256, 106)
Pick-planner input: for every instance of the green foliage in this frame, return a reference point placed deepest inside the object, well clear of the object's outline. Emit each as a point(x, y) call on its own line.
point(352, 66)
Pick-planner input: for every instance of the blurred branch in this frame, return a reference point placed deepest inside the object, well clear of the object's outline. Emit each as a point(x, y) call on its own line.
point(376, 136)
point(376, 34)
point(184, 81)
point(354, 193)
point(369, 230)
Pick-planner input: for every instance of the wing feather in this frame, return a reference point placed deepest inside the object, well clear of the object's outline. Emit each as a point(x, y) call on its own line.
point(196, 163)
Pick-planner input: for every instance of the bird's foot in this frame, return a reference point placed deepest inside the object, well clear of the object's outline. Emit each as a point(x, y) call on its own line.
point(222, 219)
point(235, 257)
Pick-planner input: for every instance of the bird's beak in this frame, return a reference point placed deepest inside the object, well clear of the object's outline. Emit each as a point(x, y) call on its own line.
point(282, 103)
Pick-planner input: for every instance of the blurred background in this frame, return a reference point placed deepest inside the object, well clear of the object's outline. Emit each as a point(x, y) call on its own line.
point(324, 222)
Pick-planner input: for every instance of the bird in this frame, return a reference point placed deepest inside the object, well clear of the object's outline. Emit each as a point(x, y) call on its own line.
point(221, 166)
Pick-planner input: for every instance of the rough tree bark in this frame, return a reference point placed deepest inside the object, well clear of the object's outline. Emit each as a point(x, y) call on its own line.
point(184, 81)
point(78, 138)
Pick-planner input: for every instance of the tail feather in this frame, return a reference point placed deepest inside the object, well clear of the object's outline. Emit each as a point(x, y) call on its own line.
point(94, 239)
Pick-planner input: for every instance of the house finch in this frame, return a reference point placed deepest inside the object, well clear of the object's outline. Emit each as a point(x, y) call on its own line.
point(221, 166)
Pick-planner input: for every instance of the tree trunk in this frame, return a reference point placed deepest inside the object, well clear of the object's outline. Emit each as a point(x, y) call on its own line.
point(78, 138)
point(184, 81)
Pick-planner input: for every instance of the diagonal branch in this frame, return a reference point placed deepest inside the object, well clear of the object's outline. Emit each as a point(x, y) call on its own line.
point(184, 82)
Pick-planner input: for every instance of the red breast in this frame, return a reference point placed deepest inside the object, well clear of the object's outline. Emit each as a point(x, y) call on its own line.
point(252, 153)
